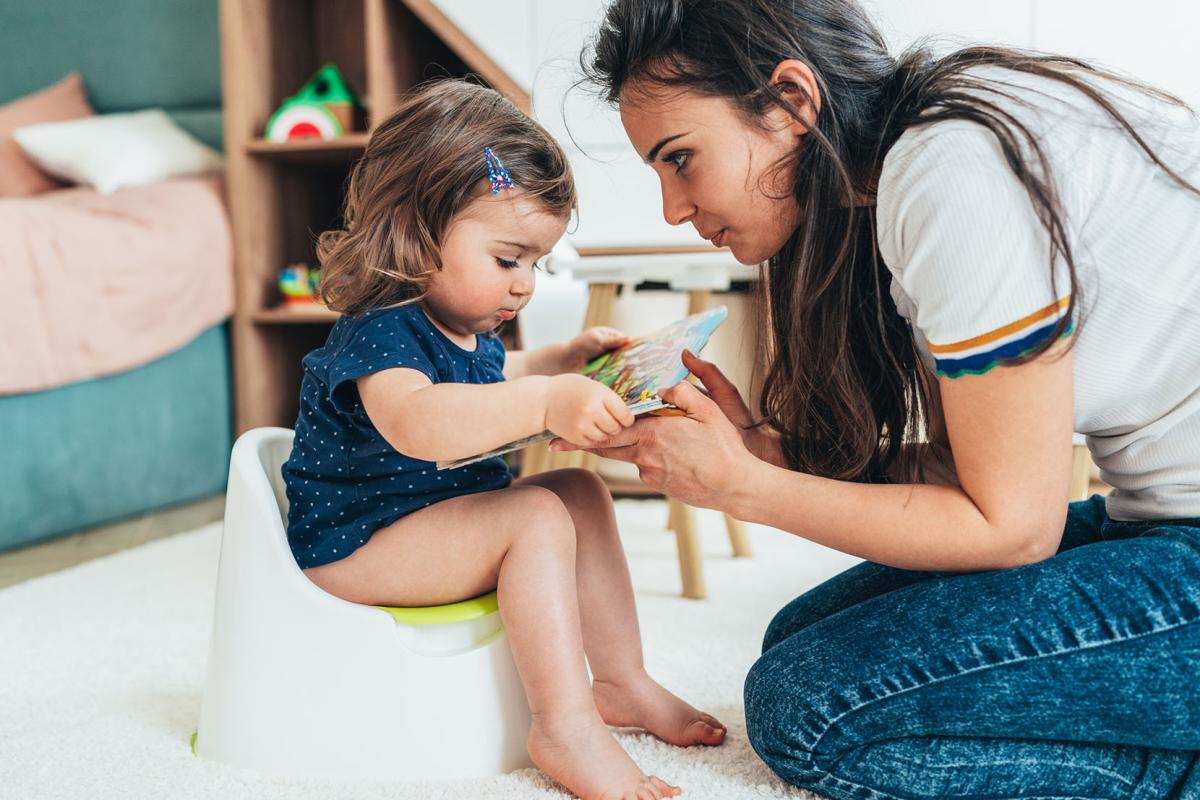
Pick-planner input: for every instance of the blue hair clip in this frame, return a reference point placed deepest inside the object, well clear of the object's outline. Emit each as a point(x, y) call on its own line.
point(497, 174)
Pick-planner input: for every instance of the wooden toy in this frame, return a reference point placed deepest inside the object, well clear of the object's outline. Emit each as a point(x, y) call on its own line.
point(322, 109)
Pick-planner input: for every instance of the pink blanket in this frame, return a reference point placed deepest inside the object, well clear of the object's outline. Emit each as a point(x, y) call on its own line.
point(93, 284)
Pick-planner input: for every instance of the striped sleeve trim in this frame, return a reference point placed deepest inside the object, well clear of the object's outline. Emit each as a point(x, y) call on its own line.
point(980, 354)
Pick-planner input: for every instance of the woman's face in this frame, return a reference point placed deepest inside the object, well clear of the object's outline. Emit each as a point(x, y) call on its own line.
point(716, 167)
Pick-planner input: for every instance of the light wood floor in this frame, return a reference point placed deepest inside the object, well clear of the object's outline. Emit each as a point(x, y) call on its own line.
point(40, 559)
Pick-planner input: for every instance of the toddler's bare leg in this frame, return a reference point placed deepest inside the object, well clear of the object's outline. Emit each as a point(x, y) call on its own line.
point(520, 540)
point(624, 693)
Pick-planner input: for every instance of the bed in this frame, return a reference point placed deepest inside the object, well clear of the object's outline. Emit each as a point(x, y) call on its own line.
point(89, 451)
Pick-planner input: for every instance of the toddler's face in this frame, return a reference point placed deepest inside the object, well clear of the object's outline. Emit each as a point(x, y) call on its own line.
point(488, 257)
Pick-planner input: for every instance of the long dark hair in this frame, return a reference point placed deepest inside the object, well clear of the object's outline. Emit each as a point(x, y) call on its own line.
point(844, 387)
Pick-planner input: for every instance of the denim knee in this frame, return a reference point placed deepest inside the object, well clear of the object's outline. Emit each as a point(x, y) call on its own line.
point(774, 724)
point(780, 627)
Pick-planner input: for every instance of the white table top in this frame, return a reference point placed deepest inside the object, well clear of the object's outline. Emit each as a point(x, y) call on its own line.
point(713, 271)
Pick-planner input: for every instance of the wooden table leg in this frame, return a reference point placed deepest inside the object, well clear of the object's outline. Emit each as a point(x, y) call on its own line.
point(739, 538)
point(691, 568)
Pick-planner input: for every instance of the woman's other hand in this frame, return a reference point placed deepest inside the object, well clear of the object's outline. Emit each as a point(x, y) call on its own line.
point(699, 458)
point(759, 440)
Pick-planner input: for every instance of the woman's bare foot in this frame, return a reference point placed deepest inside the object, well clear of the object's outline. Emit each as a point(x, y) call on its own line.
point(579, 751)
point(641, 702)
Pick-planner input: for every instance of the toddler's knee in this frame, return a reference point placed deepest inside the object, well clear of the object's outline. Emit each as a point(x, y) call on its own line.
point(543, 516)
point(582, 487)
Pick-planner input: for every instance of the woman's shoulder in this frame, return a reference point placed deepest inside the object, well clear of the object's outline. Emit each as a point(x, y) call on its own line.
point(941, 150)
point(936, 168)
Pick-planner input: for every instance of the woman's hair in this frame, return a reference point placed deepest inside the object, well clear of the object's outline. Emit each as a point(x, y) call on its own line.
point(844, 387)
point(423, 165)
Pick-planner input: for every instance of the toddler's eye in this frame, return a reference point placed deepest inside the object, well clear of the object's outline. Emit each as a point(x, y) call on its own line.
point(538, 265)
point(504, 262)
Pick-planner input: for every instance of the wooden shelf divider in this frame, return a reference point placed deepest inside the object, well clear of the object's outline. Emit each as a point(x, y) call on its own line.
point(283, 194)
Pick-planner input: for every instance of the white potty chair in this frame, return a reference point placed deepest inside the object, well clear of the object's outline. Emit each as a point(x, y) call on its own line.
point(301, 683)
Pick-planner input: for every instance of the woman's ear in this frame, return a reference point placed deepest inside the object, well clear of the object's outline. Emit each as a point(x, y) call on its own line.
point(798, 83)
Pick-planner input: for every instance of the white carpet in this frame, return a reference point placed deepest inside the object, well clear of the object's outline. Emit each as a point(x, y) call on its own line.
point(102, 665)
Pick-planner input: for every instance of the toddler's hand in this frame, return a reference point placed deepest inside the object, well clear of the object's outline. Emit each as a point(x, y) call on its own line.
point(591, 343)
point(583, 411)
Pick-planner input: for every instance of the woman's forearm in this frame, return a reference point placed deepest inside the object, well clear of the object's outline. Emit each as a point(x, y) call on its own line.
point(447, 421)
point(909, 526)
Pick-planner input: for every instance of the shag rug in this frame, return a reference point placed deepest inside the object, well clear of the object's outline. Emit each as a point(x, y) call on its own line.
point(102, 668)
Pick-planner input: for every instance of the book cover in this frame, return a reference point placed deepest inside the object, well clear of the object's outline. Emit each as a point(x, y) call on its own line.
point(636, 371)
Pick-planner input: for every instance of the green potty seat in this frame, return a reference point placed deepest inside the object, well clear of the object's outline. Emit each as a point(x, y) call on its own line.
point(464, 611)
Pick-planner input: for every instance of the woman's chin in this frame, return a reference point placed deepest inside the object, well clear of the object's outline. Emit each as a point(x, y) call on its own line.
point(747, 253)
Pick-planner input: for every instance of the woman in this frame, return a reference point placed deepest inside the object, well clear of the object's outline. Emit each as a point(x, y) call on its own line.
point(968, 258)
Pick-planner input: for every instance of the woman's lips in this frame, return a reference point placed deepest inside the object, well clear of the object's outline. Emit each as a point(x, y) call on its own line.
point(719, 239)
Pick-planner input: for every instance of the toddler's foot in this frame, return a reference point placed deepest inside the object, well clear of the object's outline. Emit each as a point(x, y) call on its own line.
point(578, 751)
point(641, 702)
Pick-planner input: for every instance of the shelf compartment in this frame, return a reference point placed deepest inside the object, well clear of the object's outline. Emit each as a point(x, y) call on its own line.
point(295, 315)
point(346, 147)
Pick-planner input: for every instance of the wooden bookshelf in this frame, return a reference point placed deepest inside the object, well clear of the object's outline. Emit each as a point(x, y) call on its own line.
point(283, 194)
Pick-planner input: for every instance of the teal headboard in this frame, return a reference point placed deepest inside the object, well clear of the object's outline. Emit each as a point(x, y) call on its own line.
point(132, 54)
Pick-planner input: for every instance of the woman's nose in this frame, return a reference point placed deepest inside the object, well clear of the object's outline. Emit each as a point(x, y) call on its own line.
point(677, 208)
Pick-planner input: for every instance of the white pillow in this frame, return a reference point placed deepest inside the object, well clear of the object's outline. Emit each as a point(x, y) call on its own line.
point(109, 151)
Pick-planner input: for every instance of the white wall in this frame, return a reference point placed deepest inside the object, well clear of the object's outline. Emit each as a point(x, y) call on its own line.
point(540, 40)
point(1155, 40)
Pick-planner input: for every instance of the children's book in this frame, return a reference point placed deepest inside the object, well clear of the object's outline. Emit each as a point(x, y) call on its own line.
point(636, 371)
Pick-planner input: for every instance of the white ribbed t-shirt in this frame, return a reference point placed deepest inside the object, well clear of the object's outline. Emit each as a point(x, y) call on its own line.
point(970, 264)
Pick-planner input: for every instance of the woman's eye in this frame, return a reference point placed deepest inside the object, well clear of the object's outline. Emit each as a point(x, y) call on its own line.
point(538, 265)
point(504, 262)
point(678, 158)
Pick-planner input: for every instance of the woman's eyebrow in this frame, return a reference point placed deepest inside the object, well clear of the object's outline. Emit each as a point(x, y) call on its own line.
point(662, 143)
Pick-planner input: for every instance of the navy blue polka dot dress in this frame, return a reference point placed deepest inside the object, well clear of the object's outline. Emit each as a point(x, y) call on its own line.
point(344, 481)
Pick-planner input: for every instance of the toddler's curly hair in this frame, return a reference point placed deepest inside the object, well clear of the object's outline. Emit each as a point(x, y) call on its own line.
point(421, 166)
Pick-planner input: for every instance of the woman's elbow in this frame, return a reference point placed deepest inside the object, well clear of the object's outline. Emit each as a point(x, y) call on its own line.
point(1034, 544)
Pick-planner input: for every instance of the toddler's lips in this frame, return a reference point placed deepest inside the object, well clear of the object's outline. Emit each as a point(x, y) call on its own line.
point(506, 313)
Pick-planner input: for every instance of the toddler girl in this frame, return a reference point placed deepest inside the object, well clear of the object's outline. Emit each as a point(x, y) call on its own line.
point(455, 199)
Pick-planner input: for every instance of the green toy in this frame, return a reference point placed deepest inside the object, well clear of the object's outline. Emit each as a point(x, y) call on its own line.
point(298, 284)
point(322, 109)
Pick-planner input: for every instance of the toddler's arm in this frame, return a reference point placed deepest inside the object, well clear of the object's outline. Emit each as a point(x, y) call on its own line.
point(447, 421)
point(560, 357)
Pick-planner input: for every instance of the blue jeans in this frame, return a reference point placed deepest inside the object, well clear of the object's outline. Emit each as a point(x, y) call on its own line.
point(1076, 677)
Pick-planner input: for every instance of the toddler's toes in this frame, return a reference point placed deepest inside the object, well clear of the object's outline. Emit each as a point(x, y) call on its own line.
point(705, 730)
point(665, 789)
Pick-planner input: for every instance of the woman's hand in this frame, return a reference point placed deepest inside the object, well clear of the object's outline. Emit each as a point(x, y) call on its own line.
point(583, 411)
point(760, 441)
point(589, 344)
point(699, 458)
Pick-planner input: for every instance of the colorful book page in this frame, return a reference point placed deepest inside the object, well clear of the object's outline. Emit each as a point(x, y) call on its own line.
point(636, 371)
